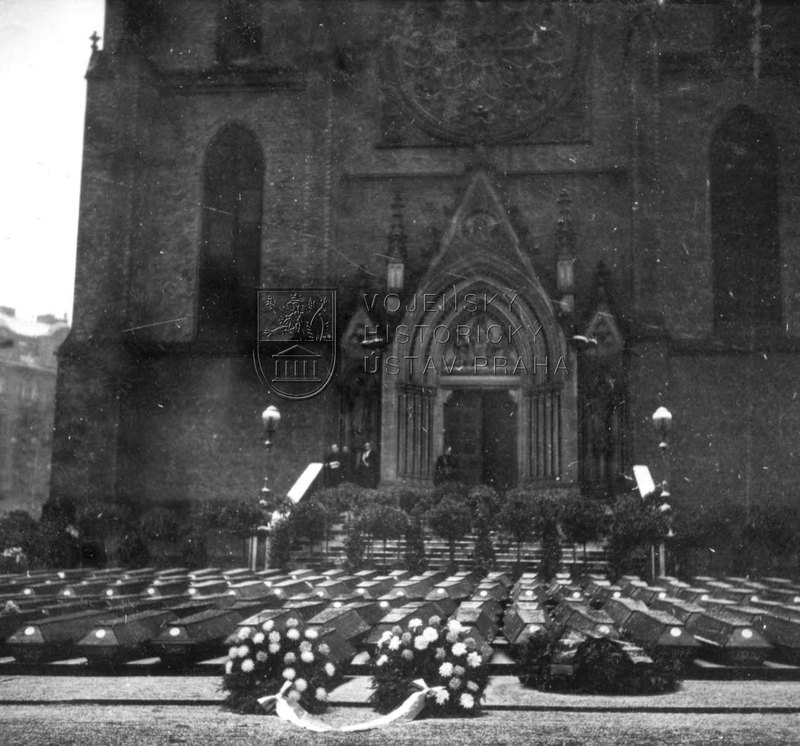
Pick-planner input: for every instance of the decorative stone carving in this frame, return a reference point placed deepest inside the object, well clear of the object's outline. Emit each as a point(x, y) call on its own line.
point(475, 71)
point(603, 397)
point(360, 404)
point(609, 341)
point(480, 224)
point(477, 344)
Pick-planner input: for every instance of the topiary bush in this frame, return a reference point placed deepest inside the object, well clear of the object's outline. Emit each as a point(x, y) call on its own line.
point(516, 517)
point(280, 544)
point(635, 525)
point(582, 520)
point(309, 519)
point(484, 503)
point(339, 499)
point(415, 502)
point(546, 506)
point(385, 521)
point(452, 490)
point(415, 557)
point(355, 545)
point(241, 517)
point(451, 520)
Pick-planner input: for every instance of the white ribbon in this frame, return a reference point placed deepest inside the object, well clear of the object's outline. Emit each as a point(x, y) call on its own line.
point(293, 712)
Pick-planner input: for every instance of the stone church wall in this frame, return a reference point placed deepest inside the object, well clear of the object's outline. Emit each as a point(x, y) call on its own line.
point(159, 420)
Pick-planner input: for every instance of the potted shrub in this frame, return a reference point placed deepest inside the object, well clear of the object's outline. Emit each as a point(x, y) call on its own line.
point(280, 544)
point(384, 522)
point(415, 503)
point(227, 525)
point(636, 524)
point(516, 517)
point(484, 503)
point(451, 520)
point(309, 520)
point(582, 521)
point(546, 506)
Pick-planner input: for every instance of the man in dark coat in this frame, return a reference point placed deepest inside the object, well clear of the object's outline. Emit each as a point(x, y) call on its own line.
point(347, 464)
point(445, 470)
point(368, 466)
point(333, 466)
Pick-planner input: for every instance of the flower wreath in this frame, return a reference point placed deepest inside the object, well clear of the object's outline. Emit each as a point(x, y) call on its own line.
point(265, 661)
point(600, 665)
point(444, 656)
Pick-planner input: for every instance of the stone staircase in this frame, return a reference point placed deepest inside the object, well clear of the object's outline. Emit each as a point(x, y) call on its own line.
point(437, 553)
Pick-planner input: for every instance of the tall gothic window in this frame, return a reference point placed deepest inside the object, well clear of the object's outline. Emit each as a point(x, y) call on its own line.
point(744, 224)
point(231, 240)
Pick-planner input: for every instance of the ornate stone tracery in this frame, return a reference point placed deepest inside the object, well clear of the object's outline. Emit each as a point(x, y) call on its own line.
point(477, 72)
point(477, 344)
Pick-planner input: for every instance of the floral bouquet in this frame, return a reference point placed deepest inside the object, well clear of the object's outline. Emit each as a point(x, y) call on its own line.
point(594, 665)
point(264, 660)
point(444, 656)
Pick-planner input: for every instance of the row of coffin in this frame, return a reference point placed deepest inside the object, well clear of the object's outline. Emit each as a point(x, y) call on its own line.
point(734, 621)
point(112, 617)
point(182, 617)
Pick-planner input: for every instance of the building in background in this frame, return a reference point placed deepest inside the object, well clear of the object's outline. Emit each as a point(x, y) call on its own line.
point(28, 365)
point(544, 220)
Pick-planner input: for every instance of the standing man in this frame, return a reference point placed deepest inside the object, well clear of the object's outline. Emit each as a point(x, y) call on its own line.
point(368, 466)
point(445, 470)
point(347, 464)
point(333, 466)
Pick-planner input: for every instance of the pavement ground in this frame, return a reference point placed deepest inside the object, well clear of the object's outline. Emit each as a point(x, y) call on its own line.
point(147, 710)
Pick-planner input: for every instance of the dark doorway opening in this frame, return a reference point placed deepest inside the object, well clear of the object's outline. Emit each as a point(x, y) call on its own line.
point(481, 427)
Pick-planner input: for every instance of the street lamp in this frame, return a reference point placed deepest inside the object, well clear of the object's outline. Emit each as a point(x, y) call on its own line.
point(397, 239)
point(270, 418)
point(565, 252)
point(662, 421)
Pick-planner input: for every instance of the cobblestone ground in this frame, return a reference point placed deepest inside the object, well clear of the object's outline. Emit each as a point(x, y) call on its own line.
point(186, 710)
point(119, 725)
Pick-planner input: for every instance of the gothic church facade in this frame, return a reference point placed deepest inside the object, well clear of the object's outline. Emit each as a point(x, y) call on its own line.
point(543, 220)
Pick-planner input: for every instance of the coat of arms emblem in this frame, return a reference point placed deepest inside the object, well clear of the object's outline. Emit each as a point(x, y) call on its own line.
point(296, 351)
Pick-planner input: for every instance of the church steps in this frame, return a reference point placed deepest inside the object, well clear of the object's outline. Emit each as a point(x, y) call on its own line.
point(437, 552)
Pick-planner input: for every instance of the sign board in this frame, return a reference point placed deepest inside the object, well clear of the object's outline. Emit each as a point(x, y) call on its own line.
point(644, 480)
point(304, 482)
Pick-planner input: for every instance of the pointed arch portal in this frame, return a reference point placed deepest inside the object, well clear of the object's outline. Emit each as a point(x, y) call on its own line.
point(480, 364)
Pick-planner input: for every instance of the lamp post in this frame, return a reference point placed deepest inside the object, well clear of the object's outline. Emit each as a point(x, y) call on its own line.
point(662, 421)
point(270, 419)
point(565, 250)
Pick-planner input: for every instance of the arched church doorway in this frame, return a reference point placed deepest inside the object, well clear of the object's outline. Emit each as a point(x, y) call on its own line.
point(479, 361)
point(481, 427)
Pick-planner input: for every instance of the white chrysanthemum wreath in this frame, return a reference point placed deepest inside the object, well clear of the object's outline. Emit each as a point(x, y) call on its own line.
point(263, 661)
point(444, 656)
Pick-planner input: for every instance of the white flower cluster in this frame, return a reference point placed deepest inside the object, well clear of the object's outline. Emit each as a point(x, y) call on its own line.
point(445, 653)
point(292, 655)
